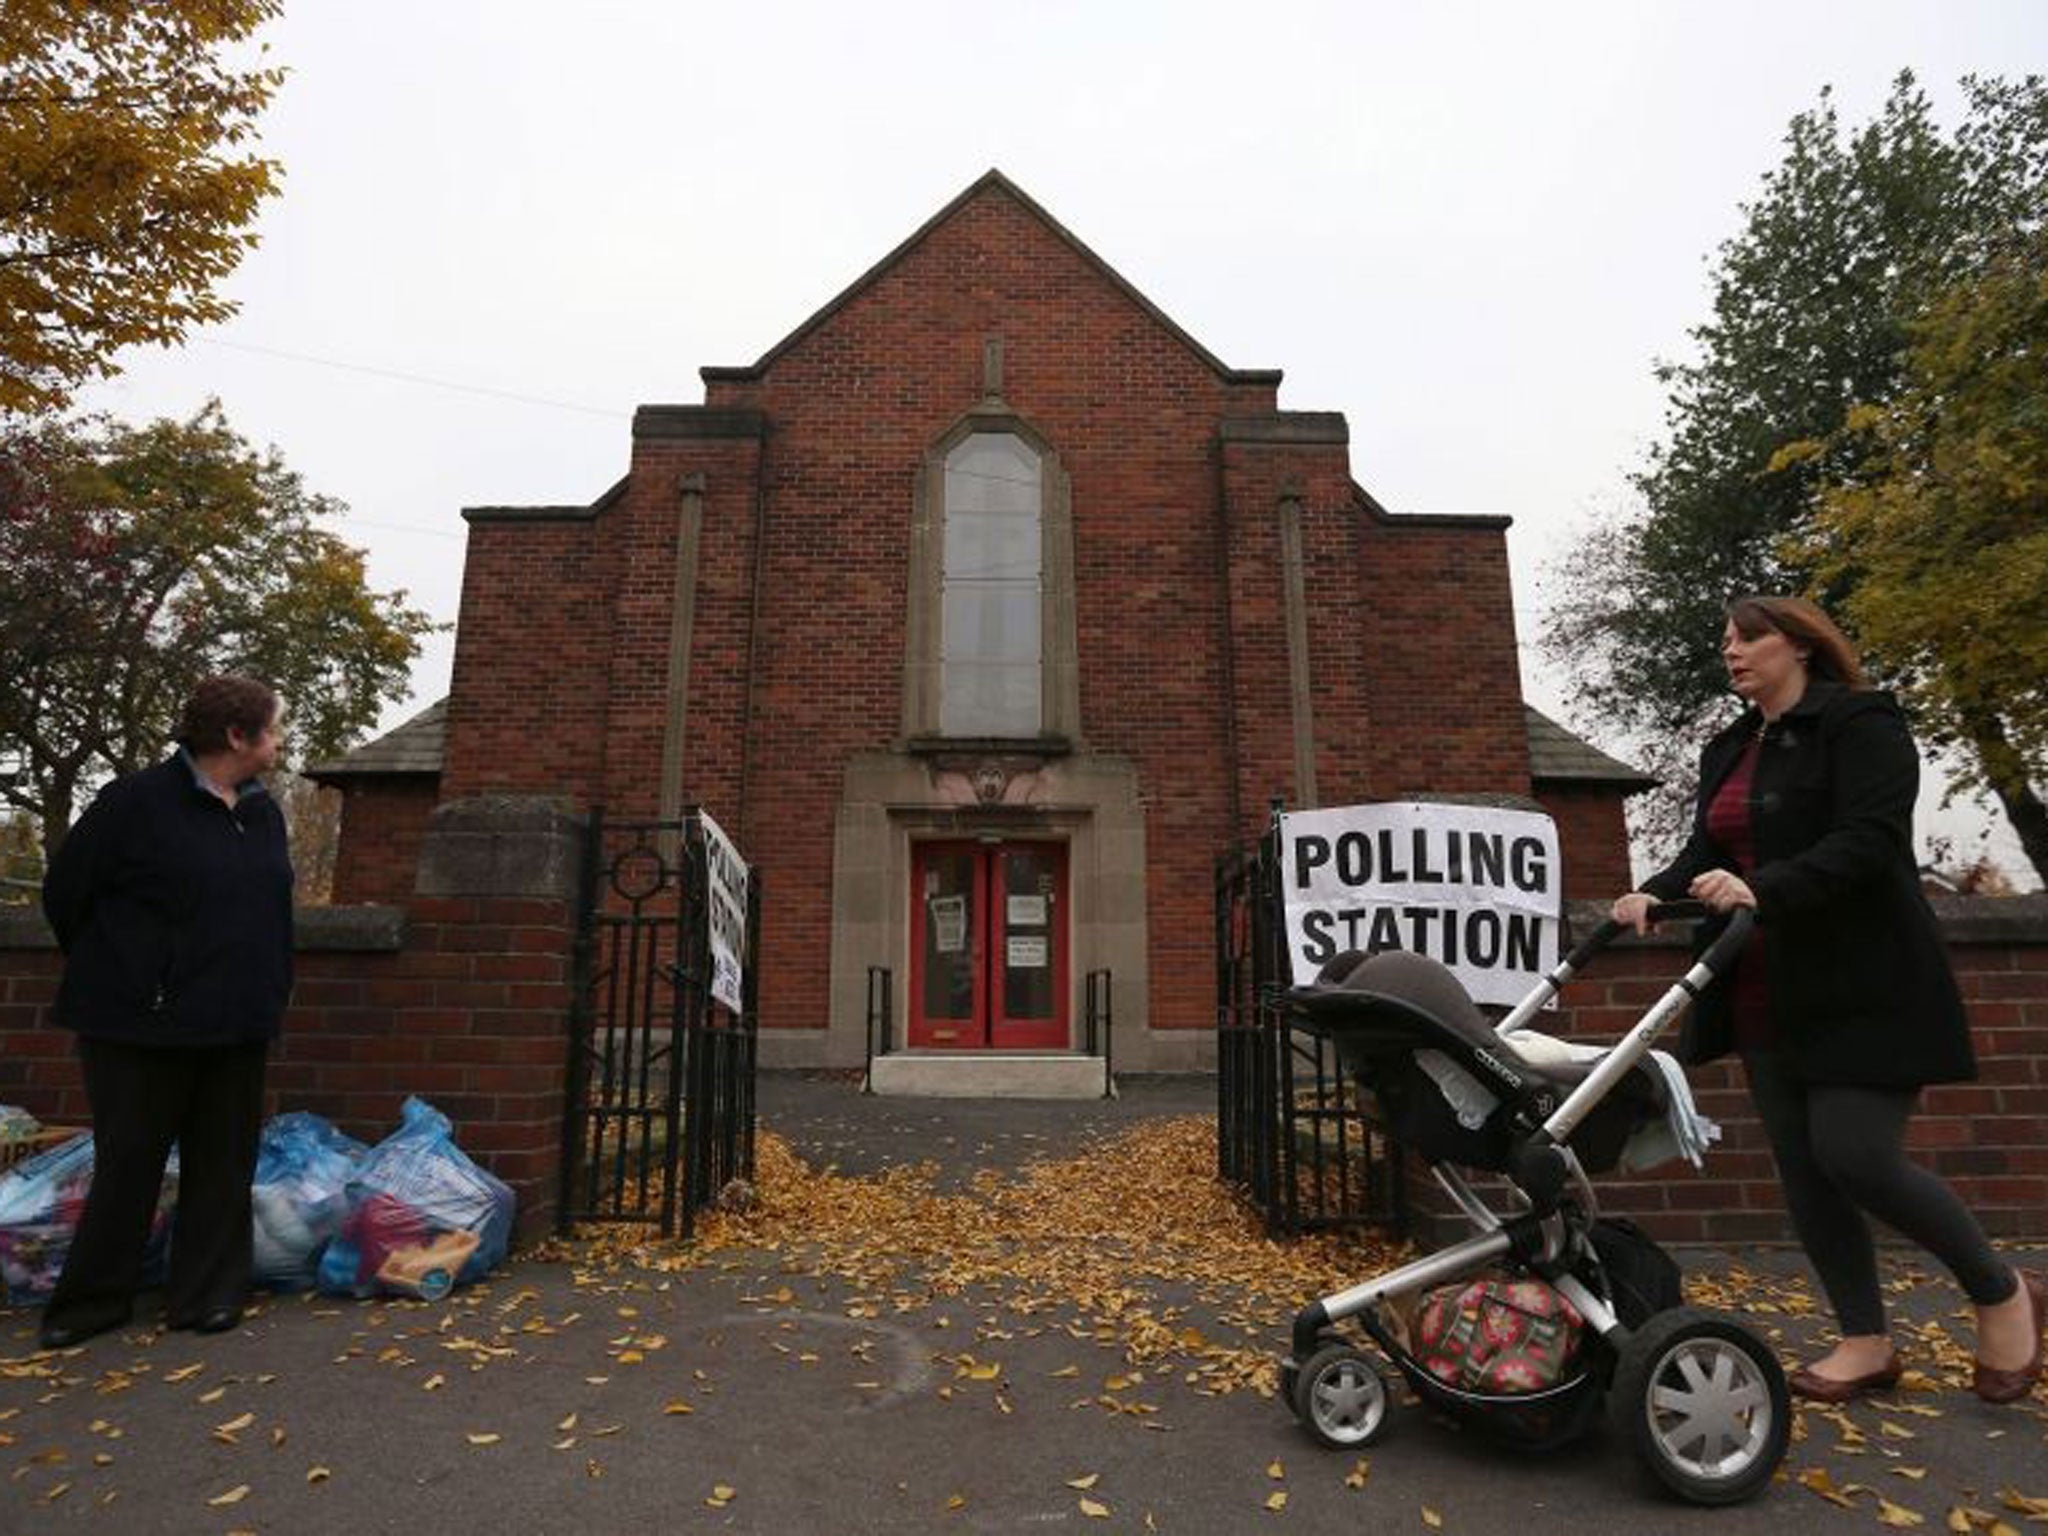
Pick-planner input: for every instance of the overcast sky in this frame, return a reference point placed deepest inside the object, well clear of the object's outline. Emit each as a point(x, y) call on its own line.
point(1471, 228)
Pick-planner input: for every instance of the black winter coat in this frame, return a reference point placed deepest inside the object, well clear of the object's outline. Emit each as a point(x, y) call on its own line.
point(174, 913)
point(1860, 986)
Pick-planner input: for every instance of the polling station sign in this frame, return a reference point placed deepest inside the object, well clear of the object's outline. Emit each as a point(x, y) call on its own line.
point(1474, 887)
point(725, 907)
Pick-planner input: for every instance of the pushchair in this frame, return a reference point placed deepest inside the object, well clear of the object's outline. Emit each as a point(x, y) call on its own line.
point(1698, 1398)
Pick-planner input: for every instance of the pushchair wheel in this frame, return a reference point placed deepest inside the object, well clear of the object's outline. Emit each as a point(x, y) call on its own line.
point(1340, 1398)
point(1702, 1403)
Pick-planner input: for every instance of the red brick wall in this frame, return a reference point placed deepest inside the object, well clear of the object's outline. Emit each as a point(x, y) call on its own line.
point(1593, 835)
point(1443, 679)
point(383, 822)
point(527, 704)
point(470, 1015)
point(37, 1068)
point(1983, 1137)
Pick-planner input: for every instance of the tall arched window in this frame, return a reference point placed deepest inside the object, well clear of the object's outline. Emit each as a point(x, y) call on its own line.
point(991, 635)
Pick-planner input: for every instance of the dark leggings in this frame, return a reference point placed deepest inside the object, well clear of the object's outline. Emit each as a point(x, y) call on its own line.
point(1841, 1152)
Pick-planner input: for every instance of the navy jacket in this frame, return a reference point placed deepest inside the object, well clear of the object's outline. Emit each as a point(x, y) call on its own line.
point(1860, 985)
point(174, 913)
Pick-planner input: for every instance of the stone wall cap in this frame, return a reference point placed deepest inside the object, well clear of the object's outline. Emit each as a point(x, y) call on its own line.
point(348, 928)
point(351, 928)
point(1295, 427)
point(688, 422)
point(24, 928)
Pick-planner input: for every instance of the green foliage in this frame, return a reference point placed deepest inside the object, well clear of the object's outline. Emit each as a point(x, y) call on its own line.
point(133, 561)
point(1933, 522)
point(1851, 237)
point(122, 199)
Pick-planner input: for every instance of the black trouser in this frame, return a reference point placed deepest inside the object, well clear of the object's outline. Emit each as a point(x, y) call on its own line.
point(1841, 1152)
point(209, 1100)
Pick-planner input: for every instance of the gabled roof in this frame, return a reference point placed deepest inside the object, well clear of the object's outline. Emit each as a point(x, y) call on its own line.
point(992, 180)
point(1555, 753)
point(419, 745)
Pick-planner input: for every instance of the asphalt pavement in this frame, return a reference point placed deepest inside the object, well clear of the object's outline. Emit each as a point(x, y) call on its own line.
point(738, 1391)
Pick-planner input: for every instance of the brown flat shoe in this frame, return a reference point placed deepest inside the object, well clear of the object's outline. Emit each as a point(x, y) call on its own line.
point(1997, 1386)
point(1840, 1389)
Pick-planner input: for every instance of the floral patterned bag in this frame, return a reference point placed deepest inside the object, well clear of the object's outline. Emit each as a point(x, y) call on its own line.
point(1500, 1337)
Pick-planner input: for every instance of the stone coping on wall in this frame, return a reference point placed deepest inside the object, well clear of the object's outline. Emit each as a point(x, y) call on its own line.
point(335, 930)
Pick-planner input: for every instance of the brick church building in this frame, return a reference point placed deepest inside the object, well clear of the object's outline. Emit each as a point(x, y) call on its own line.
point(984, 611)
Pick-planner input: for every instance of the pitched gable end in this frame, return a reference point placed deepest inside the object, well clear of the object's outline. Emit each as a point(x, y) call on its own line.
point(990, 182)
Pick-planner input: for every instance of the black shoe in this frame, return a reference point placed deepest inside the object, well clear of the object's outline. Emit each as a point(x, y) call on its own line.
point(213, 1320)
point(61, 1336)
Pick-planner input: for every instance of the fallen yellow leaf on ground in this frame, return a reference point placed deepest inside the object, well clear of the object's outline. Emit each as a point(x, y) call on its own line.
point(1084, 1483)
point(1432, 1519)
point(317, 1474)
point(483, 1439)
point(1897, 1514)
point(1277, 1500)
point(1274, 1470)
point(234, 1495)
point(1093, 1510)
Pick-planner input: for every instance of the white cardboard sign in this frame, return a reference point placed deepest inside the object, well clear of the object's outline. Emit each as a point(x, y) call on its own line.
point(1476, 888)
point(725, 908)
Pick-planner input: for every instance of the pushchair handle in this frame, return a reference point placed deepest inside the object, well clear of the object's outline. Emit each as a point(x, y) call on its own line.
point(1728, 944)
point(1660, 912)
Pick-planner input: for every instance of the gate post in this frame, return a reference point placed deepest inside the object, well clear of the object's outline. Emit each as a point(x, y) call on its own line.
point(583, 953)
point(493, 923)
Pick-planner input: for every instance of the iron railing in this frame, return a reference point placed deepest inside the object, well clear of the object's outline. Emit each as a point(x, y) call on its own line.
point(1098, 1023)
point(1292, 1130)
point(659, 1110)
point(880, 1020)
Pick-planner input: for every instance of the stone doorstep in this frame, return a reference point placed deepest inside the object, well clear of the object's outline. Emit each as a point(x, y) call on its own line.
point(987, 1075)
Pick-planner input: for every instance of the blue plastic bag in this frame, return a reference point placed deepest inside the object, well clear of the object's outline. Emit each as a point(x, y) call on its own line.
point(41, 1200)
point(300, 1195)
point(422, 1218)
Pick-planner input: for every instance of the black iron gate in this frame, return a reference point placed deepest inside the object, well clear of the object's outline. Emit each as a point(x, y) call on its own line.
point(660, 1110)
point(1292, 1130)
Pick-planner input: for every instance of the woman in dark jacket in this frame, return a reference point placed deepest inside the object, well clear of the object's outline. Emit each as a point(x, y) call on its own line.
point(1843, 1006)
point(172, 901)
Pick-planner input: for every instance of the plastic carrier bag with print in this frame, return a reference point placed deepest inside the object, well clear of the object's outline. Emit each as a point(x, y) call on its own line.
point(422, 1218)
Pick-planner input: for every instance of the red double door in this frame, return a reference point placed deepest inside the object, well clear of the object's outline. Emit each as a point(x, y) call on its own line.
point(988, 945)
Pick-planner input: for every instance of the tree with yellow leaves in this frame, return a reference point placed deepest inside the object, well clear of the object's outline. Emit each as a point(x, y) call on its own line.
point(1930, 530)
point(126, 188)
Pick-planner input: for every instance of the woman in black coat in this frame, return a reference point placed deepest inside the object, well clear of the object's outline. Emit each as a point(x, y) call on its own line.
point(172, 901)
point(1843, 1006)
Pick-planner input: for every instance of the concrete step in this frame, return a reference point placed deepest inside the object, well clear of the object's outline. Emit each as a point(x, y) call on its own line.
point(987, 1075)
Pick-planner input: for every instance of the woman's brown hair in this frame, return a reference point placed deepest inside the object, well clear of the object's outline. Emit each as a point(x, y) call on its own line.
point(1828, 651)
point(220, 703)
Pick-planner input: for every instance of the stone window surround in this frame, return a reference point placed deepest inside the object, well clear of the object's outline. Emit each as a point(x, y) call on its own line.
point(1060, 710)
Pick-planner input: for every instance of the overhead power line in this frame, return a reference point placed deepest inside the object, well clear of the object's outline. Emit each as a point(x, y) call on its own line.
point(403, 377)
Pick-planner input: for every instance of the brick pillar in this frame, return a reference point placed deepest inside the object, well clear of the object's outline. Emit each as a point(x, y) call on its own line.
point(493, 924)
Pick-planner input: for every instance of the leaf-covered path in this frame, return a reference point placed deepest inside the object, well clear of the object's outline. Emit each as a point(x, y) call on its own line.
point(1059, 1321)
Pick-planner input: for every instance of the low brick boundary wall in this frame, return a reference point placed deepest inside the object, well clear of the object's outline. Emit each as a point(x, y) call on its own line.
point(1988, 1138)
point(460, 996)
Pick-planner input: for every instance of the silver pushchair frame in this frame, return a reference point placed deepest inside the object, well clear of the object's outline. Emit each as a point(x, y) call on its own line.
point(1700, 1400)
